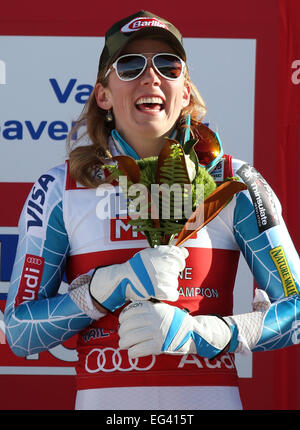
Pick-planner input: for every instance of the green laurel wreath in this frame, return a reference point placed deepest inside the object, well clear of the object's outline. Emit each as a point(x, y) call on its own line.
point(170, 167)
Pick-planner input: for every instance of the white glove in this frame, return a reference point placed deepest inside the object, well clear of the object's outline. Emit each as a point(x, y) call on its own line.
point(154, 328)
point(151, 273)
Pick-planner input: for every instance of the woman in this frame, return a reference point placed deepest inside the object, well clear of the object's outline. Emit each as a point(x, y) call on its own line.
point(148, 354)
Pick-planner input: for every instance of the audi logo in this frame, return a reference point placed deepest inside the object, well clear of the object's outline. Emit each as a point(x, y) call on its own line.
point(34, 260)
point(112, 360)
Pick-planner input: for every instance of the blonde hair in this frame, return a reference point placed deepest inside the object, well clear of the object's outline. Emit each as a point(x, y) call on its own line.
point(84, 160)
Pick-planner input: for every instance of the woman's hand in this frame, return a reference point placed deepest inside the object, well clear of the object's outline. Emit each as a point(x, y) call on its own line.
point(154, 328)
point(151, 273)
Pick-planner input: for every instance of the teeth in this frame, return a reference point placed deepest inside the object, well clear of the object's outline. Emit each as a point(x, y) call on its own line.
point(155, 100)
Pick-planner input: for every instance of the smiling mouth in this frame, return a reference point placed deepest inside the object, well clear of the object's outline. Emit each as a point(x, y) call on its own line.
point(150, 104)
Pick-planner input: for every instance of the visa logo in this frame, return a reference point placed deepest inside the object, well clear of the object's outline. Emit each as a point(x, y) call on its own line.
point(35, 205)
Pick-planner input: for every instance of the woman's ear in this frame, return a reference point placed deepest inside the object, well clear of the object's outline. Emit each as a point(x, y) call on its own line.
point(186, 96)
point(103, 97)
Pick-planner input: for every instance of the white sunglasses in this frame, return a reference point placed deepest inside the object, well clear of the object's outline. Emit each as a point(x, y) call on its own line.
point(130, 66)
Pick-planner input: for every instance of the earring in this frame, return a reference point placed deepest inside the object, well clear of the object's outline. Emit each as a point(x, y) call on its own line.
point(109, 116)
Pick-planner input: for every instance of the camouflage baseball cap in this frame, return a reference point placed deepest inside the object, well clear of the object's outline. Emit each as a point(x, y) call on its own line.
point(135, 26)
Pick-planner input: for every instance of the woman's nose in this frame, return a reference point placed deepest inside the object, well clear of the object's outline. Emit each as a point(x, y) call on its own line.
point(150, 76)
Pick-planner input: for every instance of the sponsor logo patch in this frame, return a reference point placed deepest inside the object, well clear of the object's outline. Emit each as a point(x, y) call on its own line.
point(262, 197)
point(109, 359)
point(142, 22)
point(36, 205)
point(30, 279)
point(121, 230)
point(278, 256)
point(218, 172)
